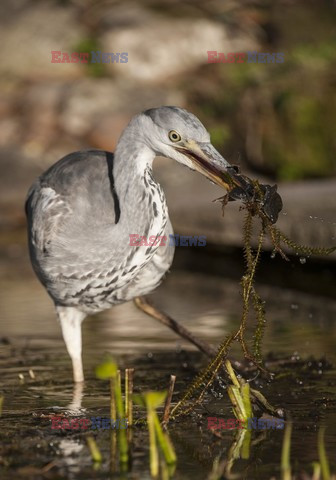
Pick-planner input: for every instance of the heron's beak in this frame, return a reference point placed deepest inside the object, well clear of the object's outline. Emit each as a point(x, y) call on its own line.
point(211, 164)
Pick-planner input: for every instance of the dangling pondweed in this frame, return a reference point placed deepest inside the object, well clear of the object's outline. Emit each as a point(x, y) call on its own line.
point(264, 203)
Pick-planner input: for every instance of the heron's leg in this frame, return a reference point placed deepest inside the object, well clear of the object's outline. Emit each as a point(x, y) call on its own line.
point(77, 395)
point(71, 323)
point(146, 306)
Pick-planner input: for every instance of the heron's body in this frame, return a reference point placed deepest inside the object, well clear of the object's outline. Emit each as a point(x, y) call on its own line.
point(83, 254)
point(82, 211)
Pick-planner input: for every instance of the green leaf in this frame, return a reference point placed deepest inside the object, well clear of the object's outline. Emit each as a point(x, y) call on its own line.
point(151, 400)
point(164, 441)
point(138, 399)
point(155, 399)
point(245, 390)
point(107, 370)
point(94, 450)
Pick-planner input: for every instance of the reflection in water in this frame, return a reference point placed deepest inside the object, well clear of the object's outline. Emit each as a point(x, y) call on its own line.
point(70, 449)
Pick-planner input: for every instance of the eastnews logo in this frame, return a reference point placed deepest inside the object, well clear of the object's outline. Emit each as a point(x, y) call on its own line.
point(161, 240)
point(58, 56)
point(94, 423)
point(245, 57)
point(252, 423)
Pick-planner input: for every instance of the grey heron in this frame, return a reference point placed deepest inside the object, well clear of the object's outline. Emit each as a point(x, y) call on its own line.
point(82, 210)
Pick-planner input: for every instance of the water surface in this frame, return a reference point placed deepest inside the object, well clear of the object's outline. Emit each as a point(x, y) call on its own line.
point(299, 344)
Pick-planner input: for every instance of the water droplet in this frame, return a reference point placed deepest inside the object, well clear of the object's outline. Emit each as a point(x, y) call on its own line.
point(303, 260)
point(273, 254)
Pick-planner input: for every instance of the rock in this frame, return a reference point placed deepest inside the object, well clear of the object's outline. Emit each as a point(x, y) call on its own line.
point(31, 32)
point(159, 49)
point(89, 100)
point(86, 101)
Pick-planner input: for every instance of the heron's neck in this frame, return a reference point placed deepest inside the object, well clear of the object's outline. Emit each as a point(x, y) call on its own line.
point(131, 160)
point(142, 204)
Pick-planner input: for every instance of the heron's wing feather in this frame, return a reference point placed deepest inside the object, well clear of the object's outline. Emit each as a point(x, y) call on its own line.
point(72, 204)
point(47, 211)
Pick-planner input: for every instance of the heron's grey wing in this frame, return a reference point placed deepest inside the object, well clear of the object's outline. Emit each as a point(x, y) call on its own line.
point(46, 211)
point(69, 209)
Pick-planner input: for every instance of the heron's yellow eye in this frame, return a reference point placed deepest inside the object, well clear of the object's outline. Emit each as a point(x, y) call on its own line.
point(174, 136)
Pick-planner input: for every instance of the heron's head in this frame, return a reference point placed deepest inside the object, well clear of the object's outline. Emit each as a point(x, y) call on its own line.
point(175, 133)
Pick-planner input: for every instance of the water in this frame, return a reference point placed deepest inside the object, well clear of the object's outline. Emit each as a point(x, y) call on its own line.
point(202, 292)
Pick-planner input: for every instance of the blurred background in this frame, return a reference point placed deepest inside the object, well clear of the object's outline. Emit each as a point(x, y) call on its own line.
point(276, 120)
